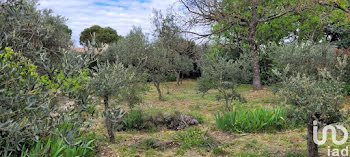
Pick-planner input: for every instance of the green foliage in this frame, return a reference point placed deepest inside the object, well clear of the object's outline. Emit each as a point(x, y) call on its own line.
point(347, 88)
point(194, 137)
point(25, 103)
point(219, 151)
point(56, 146)
point(223, 75)
point(306, 58)
point(149, 143)
point(136, 51)
point(134, 120)
point(317, 95)
point(170, 78)
point(111, 79)
point(198, 117)
point(260, 119)
point(28, 30)
point(105, 35)
point(168, 33)
point(130, 50)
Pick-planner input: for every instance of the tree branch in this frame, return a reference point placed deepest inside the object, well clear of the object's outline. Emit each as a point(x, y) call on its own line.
point(334, 5)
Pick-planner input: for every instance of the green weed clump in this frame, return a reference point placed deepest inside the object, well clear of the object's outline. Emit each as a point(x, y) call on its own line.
point(134, 120)
point(260, 119)
point(194, 137)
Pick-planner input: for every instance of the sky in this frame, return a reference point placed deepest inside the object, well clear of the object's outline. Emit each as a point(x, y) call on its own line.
point(121, 15)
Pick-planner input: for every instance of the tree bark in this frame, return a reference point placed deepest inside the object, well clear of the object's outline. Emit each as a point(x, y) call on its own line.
point(177, 74)
point(254, 47)
point(157, 85)
point(226, 104)
point(312, 147)
point(107, 121)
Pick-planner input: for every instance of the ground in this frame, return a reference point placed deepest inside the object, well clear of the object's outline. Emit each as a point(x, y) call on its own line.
point(187, 99)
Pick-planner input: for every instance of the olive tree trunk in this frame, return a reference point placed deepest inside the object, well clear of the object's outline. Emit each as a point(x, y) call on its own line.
point(253, 44)
point(157, 85)
point(108, 121)
point(312, 147)
point(227, 104)
point(177, 74)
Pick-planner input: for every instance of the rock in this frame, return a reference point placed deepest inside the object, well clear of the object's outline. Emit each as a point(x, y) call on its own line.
point(194, 122)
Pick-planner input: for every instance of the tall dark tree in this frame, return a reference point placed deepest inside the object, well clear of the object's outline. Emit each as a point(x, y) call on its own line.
point(105, 35)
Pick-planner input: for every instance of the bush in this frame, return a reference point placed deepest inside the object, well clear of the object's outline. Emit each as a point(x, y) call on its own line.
point(134, 120)
point(170, 78)
point(259, 119)
point(36, 31)
point(24, 104)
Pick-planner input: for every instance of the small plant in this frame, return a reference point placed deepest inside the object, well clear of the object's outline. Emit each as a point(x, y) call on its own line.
point(219, 151)
point(198, 117)
point(134, 120)
point(149, 143)
point(259, 119)
point(194, 137)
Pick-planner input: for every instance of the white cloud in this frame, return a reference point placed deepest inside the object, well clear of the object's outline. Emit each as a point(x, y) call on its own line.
point(118, 14)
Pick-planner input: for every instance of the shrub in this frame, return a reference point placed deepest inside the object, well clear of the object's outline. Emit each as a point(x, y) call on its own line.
point(134, 120)
point(24, 104)
point(36, 31)
point(259, 119)
point(170, 78)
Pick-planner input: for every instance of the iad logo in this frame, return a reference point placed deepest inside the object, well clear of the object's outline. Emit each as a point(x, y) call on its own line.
point(333, 131)
point(333, 152)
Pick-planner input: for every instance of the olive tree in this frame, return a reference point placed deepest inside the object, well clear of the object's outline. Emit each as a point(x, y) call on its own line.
point(168, 33)
point(28, 30)
point(135, 50)
point(25, 104)
point(318, 94)
point(223, 75)
point(110, 80)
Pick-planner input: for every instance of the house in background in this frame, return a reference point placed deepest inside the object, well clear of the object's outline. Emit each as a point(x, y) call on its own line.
point(97, 50)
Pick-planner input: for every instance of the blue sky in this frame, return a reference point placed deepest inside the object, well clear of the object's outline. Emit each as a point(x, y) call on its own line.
point(118, 14)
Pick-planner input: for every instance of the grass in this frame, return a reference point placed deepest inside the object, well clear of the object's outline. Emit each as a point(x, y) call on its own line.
point(287, 142)
point(194, 137)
